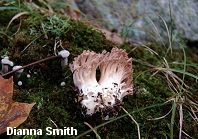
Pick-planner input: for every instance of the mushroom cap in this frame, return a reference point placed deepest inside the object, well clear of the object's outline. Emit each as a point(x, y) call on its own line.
point(62, 84)
point(20, 83)
point(28, 75)
point(64, 53)
point(17, 67)
point(6, 61)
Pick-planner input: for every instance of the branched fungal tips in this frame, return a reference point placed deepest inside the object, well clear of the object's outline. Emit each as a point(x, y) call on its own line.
point(106, 95)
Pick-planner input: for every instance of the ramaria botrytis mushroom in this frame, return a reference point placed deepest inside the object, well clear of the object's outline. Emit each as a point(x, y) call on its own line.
point(104, 96)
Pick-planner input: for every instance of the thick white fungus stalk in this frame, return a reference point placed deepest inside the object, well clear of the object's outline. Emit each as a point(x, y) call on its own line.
point(106, 95)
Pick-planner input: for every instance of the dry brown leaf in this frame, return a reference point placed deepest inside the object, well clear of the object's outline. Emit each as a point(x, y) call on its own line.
point(111, 36)
point(74, 14)
point(12, 114)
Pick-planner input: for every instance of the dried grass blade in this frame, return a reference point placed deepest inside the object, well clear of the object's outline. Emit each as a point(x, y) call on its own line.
point(156, 30)
point(139, 136)
point(15, 17)
point(169, 37)
point(180, 120)
point(161, 116)
point(97, 136)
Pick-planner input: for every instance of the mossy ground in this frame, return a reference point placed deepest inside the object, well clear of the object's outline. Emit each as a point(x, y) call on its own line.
point(32, 37)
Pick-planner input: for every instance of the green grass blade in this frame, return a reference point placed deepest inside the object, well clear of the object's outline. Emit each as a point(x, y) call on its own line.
point(184, 52)
point(187, 64)
point(182, 72)
point(173, 118)
point(10, 8)
point(30, 43)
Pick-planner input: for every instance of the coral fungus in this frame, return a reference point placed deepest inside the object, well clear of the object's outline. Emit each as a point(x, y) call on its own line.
point(104, 96)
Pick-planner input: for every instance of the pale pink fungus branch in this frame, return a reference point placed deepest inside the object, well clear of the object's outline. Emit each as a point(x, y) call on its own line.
point(84, 68)
point(116, 68)
point(115, 82)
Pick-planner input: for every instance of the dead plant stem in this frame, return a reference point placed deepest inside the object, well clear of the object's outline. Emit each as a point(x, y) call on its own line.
point(34, 63)
point(139, 136)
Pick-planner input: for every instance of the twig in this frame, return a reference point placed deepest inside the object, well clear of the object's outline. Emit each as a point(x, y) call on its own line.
point(34, 63)
point(139, 136)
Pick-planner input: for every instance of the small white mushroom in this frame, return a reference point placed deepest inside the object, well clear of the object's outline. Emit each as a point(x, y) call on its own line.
point(28, 75)
point(64, 54)
point(62, 84)
point(19, 83)
point(17, 74)
point(6, 64)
